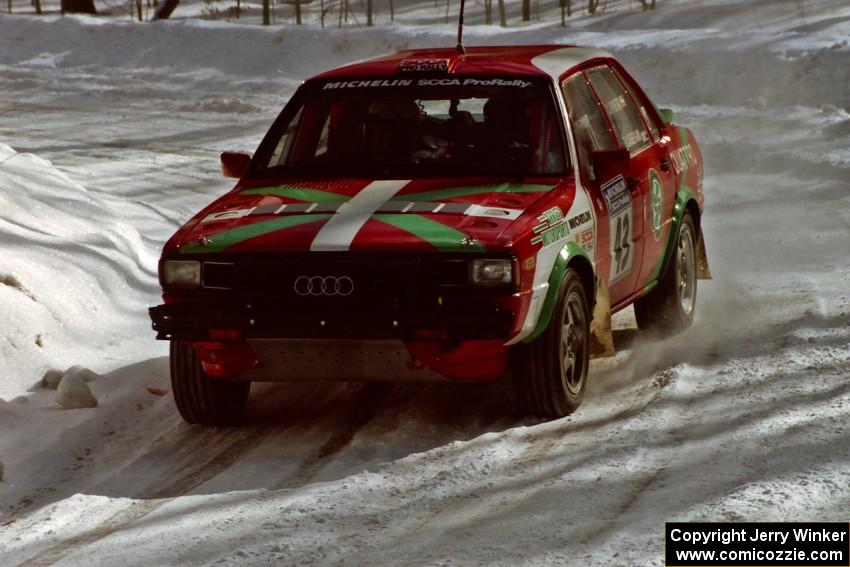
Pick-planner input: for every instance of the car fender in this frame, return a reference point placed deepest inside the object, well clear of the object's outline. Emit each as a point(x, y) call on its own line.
point(571, 254)
point(685, 200)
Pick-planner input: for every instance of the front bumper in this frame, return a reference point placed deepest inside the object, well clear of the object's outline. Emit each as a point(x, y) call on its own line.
point(328, 295)
point(449, 320)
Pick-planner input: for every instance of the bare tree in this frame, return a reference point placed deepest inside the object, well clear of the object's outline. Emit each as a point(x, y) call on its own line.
point(35, 4)
point(392, 10)
point(503, 19)
point(526, 10)
point(75, 6)
point(488, 12)
point(592, 5)
point(298, 11)
point(566, 11)
point(267, 16)
point(647, 4)
point(369, 21)
point(165, 9)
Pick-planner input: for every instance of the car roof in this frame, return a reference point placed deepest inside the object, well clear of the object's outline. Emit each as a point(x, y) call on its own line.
point(525, 60)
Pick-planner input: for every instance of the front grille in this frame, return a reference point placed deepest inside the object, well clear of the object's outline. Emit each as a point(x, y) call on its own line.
point(320, 278)
point(337, 295)
point(219, 275)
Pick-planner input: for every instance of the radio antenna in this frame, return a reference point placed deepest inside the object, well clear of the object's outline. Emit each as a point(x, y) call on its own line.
point(460, 48)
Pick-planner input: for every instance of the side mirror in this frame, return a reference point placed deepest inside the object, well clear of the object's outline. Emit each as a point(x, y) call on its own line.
point(607, 164)
point(666, 115)
point(234, 164)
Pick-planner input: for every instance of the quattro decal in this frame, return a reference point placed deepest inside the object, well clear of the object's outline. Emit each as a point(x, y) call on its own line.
point(396, 207)
point(552, 228)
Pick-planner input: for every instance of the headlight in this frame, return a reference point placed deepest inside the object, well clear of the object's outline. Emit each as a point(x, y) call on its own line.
point(181, 273)
point(492, 272)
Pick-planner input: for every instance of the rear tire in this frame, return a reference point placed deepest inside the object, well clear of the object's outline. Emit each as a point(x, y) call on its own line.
point(550, 373)
point(200, 398)
point(669, 307)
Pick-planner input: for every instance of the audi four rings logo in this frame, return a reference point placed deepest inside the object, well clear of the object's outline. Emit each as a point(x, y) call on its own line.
point(324, 285)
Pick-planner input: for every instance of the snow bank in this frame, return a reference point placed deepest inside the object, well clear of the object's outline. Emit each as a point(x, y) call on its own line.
point(730, 66)
point(75, 277)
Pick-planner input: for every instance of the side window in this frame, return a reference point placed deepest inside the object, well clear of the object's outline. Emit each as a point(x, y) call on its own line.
point(589, 126)
point(285, 144)
point(641, 101)
point(621, 110)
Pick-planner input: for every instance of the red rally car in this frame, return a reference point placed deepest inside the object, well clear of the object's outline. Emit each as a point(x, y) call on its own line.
point(438, 214)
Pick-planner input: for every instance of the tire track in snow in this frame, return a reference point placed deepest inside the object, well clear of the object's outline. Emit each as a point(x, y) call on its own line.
point(365, 407)
point(186, 482)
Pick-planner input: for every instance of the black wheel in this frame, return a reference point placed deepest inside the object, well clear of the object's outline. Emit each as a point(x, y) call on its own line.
point(551, 372)
point(669, 307)
point(200, 398)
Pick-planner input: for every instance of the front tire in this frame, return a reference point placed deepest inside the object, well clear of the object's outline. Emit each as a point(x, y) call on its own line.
point(669, 307)
point(200, 398)
point(551, 372)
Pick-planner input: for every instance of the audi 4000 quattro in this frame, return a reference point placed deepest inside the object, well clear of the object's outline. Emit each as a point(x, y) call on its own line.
point(438, 214)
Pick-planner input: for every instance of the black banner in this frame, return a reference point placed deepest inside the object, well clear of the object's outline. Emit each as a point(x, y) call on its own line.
point(757, 544)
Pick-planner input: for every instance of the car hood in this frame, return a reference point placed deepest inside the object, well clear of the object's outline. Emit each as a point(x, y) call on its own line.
point(462, 215)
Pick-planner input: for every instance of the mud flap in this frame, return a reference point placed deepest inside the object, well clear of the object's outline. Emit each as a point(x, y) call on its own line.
point(601, 335)
point(703, 271)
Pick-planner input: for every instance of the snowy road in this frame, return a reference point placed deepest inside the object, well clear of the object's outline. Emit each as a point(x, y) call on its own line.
point(744, 417)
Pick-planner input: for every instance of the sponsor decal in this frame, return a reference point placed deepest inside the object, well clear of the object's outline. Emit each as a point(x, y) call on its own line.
point(620, 217)
point(586, 241)
point(405, 207)
point(616, 195)
point(552, 227)
point(423, 65)
point(426, 82)
point(529, 263)
point(367, 84)
point(656, 202)
point(682, 158)
point(579, 220)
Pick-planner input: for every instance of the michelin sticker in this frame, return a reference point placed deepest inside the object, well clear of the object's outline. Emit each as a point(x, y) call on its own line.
point(426, 82)
point(619, 203)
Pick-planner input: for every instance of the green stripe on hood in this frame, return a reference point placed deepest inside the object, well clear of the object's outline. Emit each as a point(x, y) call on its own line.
point(300, 193)
point(228, 238)
point(439, 235)
point(453, 192)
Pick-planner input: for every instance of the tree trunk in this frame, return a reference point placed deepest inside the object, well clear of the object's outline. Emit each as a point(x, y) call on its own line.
point(37, 5)
point(165, 9)
point(9, 4)
point(488, 12)
point(392, 10)
point(448, 5)
point(369, 21)
point(74, 6)
point(267, 18)
point(298, 12)
point(503, 20)
point(526, 10)
point(139, 9)
point(592, 5)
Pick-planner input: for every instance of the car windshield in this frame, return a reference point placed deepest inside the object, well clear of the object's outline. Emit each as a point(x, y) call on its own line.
point(416, 127)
